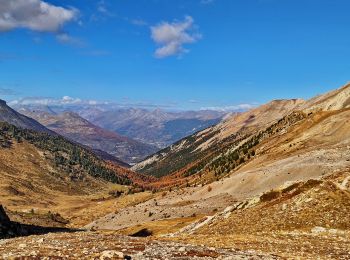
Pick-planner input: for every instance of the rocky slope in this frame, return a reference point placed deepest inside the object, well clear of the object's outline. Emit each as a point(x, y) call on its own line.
point(211, 142)
point(74, 127)
point(307, 219)
point(224, 147)
point(335, 100)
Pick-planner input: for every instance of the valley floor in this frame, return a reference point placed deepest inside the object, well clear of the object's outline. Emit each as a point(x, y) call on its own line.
point(109, 245)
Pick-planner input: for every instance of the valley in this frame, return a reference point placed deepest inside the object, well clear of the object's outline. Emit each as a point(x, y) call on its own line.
point(269, 183)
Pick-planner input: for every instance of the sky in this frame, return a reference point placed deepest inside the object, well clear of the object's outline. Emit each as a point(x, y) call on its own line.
point(182, 54)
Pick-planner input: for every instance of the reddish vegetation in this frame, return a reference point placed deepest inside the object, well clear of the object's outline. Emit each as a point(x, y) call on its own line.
point(137, 179)
point(150, 182)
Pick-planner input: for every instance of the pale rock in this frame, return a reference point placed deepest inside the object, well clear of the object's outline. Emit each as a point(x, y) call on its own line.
point(317, 230)
point(182, 249)
point(111, 254)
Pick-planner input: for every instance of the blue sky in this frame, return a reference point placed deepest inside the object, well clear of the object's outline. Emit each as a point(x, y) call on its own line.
point(186, 54)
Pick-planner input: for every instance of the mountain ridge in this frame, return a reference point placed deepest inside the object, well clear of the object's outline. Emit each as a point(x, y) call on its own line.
point(7, 114)
point(74, 127)
point(233, 131)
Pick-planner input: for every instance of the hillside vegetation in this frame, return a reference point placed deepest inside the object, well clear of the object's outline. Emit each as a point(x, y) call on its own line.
point(65, 156)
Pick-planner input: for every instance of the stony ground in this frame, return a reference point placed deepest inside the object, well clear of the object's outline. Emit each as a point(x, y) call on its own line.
point(319, 244)
point(174, 205)
point(306, 220)
point(108, 245)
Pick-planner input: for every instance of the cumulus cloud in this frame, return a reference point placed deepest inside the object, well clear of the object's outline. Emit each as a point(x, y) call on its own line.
point(233, 108)
point(171, 37)
point(35, 15)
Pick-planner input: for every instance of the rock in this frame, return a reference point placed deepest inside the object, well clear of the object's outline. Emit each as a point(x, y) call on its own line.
point(284, 207)
point(111, 254)
point(317, 230)
point(182, 249)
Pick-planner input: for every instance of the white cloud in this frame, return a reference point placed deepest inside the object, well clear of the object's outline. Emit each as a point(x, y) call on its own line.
point(101, 7)
point(206, 2)
point(138, 22)
point(35, 15)
point(233, 108)
point(172, 36)
point(66, 100)
point(68, 39)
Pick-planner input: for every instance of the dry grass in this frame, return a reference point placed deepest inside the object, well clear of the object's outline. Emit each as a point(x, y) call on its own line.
point(28, 181)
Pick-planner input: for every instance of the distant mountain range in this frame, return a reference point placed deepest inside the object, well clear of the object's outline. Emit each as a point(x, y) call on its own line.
point(78, 129)
point(150, 130)
point(155, 127)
